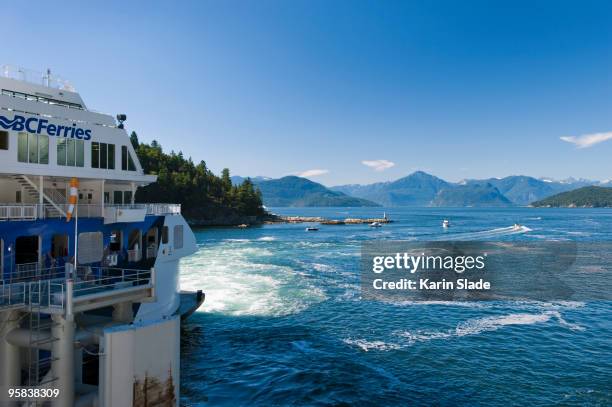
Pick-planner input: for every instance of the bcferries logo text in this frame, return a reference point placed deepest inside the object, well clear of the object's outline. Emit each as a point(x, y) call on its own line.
point(42, 126)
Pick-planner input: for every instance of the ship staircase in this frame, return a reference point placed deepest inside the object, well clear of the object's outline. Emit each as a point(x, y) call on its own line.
point(54, 198)
point(41, 339)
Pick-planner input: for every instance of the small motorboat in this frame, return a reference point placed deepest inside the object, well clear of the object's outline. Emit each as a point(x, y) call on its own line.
point(311, 229)
point(375, 225)
point(445, 223)
point(243, 226)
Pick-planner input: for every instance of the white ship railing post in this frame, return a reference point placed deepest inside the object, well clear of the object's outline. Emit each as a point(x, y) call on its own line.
point(62, 350)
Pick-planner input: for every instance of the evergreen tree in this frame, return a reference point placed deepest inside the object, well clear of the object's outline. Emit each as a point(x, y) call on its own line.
point(226, 179)
point(134, 140)
point(204, 196)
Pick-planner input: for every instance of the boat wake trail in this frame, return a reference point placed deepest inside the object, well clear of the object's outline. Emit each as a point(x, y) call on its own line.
point(487, 234)
point(470, 327)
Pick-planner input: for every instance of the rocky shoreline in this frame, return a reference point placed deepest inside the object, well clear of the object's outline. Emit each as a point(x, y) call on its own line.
point(326, 221)
point(231, 221)
point(246, 221)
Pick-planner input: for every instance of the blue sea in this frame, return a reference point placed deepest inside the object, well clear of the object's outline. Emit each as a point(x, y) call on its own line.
point(284, 322)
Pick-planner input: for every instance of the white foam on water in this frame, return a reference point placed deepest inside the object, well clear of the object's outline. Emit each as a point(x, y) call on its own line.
point(574, 233)
point(267, 239)
point(487, 324)
point(234, 284)
point(466, 304)
point(487, 234)
point(326, 268)
point(564, 323)
point(548, 305)
point(367, 346)
point(423, 336)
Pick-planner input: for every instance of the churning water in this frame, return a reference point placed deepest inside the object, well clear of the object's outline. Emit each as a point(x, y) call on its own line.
point(284, 324)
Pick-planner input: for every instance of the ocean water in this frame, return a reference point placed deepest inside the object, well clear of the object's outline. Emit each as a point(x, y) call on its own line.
point(284, 323)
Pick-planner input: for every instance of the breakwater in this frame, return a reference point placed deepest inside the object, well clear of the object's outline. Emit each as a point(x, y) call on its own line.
point(326, 221)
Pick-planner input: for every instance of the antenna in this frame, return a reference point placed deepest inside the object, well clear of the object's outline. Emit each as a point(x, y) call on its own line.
point(121, 118)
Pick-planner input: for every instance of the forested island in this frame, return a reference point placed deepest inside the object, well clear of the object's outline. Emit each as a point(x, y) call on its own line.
point(586, 197)
point(206, 199)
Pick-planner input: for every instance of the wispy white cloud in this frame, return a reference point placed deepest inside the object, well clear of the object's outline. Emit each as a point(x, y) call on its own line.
point(378, 165)
point(588, 140)
point(312, 173)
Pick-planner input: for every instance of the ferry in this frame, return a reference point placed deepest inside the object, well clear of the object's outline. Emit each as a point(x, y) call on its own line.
point(90, 300)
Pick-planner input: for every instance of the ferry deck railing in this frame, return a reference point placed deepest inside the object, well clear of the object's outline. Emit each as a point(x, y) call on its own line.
point(9, 212)
point(51, 290)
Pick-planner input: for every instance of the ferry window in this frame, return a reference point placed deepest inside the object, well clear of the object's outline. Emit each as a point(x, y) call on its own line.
point(165, 234)
point(61, 152)
point(91, 247)
point(117, 197)
point(59, 246)
point(43, 149)
point(111, 156)
point(115, 241)
point(33, 148)
point(178, 236)
point(127, 197)
point(95, 155)
point(17, 196)
point(103, 155)
point(80, 153)
point(70, 152)
point(127, 163)
point(4, 136)
point(22, 147)
point(124, 158)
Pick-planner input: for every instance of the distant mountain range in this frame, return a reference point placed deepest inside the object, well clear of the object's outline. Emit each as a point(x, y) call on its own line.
point(474, 194)
point(296, 191)
point(416, 189)
point(422, 189)
point(237, 180)
point(585, 197)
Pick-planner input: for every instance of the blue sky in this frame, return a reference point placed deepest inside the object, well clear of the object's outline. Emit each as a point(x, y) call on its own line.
point(461, 89)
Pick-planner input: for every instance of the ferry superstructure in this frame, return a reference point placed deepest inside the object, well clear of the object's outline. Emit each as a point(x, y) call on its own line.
point(89, 295)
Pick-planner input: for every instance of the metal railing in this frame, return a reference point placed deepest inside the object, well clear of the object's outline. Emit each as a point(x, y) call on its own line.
point(12, 294)
point(38, 78)
point(163, 209)
point(34, 271)
point(46, 211)
point(108, 278)
point(18, 212)
point(156, 209)
point(50, 290)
